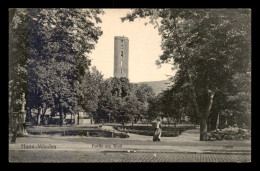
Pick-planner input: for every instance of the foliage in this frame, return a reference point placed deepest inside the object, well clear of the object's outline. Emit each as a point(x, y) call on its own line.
point(122, 100)
point(229, 134)
point(154, 108)
point(18, 56)
point(89, 90)
point(50, 47)
point(208, 48)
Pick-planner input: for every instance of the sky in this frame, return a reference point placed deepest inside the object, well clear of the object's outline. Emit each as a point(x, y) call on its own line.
point(144, 48)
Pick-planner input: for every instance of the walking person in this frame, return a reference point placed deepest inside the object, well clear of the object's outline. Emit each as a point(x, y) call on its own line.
point(158, 130)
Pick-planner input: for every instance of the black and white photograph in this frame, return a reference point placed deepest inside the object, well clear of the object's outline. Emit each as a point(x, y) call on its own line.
point(129, 85)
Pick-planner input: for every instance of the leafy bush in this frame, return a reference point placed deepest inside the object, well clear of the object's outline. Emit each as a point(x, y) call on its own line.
point(229, 134)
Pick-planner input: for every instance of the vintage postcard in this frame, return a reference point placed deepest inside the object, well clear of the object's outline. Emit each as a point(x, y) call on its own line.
point(129, 85)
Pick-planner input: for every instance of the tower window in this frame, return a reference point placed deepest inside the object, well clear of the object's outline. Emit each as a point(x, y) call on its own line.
point(121, 71)
point(121, 63)
point(122, 54)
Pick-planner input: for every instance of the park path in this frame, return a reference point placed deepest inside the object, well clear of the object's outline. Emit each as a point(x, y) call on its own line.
point(188, 141)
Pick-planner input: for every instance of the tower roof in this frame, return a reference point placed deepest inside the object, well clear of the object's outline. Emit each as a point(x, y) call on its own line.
point(120, 37)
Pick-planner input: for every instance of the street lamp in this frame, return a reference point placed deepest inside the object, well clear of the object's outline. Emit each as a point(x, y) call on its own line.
point(109, 118)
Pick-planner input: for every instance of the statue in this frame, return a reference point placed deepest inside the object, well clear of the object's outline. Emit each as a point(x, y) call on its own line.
point(23, 113)
point(19, 126)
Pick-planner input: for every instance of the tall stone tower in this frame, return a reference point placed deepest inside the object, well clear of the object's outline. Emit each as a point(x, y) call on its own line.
point(121, 51)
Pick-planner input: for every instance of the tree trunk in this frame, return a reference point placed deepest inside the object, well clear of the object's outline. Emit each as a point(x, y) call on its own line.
point(208, 124)
point(61, 118)
point(217, 122)
point(50, 121)
point(194, 96)
point(76, 116)
point(38, 116)
point(91, 118)
point(203, 129)
point(78, 119)
point(204, 118)
point(71, 119)
point(28, 114)
point(12, 120)
point(65, 118)
point(44, 109)
point(42, 119)
point(10, 111)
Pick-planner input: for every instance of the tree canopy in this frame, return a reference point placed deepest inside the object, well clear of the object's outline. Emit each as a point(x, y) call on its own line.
point(49, 52)
point(208, 48)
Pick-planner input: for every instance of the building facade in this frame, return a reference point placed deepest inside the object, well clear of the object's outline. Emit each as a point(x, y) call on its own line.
point(121, 52)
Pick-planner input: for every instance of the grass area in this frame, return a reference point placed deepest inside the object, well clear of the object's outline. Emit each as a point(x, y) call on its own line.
point(89, 131)
point(149, 130)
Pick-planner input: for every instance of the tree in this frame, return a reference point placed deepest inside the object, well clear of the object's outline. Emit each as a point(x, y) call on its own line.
point(18, 59)
point(207, 48)
point(89, 91)
point(144, 92)
point(154, 107)
point(171, 105)
point(144, 95)
point(113, 93)
point(54, 43)
point(131, 108)
point(122, 100)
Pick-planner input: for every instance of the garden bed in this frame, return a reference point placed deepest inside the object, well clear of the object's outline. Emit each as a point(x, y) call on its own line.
point(229, 134)
point(76, 131)
point(149, 130)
